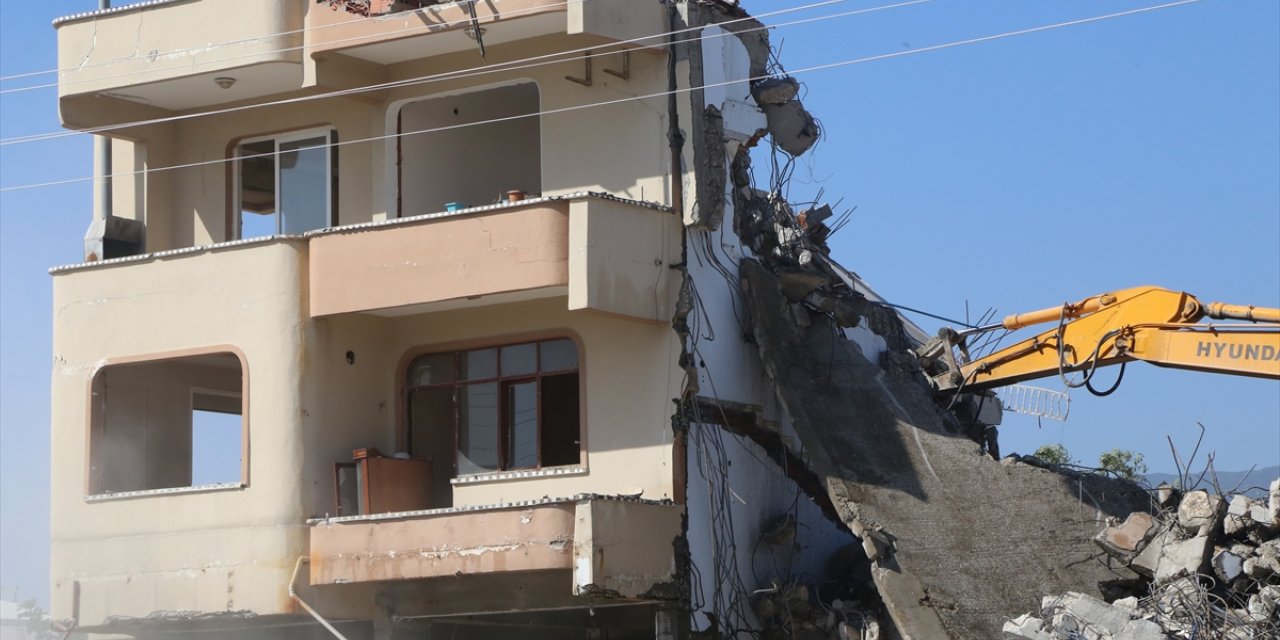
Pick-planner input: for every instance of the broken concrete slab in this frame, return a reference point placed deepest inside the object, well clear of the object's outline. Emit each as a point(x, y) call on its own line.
point(1256, 568)
point(1126, 539)
point(960, 522)
point(798, 283)
point(847, 311)
point(775, 91)
point(1093, 618)
point(1260, 515)
point(1238, 517)
point(793, 128)
point(1265, 602)
point(1167, 557)
point(1266, 562)
point(1026, 626)
point(1184, 558)
point(1199, 512)
point(1274, 500)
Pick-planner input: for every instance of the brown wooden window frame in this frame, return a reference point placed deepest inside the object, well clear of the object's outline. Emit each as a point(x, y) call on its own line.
point(502, 383)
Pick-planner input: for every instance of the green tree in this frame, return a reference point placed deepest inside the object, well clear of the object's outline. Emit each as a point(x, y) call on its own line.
point(1126, 464)
point(36, 619)
point(1053, 454)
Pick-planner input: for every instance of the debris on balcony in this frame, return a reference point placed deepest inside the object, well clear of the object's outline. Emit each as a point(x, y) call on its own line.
point(378, 7)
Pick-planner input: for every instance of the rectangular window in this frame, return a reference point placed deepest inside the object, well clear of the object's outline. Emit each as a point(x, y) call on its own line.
point(286, 184)
point(469, 149)
point(167, 424)
point(497, 408)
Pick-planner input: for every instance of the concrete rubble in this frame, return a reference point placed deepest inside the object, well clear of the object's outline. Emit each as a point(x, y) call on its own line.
point(1212, 567)
point(843, 605)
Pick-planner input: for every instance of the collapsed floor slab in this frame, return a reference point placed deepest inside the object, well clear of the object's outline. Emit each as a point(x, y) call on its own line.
point(957, 540)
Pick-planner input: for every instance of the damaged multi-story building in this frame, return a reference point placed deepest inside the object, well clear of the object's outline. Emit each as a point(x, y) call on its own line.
point(467, 319)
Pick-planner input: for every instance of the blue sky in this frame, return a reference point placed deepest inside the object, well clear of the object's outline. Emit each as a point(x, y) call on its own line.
point(1014, 174)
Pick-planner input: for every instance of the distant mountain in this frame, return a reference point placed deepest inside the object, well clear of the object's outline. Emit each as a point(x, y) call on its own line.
point(1254, 485)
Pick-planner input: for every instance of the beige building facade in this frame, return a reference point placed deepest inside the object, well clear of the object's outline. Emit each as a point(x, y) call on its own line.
point(404, 321)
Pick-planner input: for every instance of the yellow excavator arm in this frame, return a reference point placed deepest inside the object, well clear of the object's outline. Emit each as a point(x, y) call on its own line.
point(1159, 326)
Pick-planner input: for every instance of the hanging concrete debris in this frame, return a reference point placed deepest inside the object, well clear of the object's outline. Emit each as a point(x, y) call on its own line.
point(1213, 573)
point(793, 128)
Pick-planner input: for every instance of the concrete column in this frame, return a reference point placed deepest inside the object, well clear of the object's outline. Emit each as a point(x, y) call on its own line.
point(102, 151)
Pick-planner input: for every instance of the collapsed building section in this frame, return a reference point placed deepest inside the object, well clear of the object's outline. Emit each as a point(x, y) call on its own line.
point(953, 538)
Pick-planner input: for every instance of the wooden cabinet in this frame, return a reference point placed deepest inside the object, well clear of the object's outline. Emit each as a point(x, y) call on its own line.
point(374, 483)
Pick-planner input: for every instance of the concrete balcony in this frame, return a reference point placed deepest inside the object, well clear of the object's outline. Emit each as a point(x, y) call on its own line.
point(598, 546)
point(603, 253)
point(151, 58)
point(445, 28)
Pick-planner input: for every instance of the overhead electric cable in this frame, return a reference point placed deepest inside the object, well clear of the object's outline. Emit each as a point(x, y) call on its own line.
point(557, 57)
point(604, 103)
point(189, 66)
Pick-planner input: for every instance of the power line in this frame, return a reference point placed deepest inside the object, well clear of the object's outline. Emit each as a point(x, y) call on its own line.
point(604, 103)
point(424, 27)
point(513, 65)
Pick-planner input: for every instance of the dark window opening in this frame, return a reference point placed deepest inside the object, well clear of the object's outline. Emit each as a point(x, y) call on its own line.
point(495, 409)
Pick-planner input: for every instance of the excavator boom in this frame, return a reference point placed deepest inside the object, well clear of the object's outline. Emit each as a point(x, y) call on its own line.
point(1159, 326)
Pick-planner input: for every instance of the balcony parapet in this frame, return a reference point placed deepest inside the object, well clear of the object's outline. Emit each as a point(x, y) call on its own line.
point(621, 547)
point(602, 252)
point(145, 59)
point(387, 37)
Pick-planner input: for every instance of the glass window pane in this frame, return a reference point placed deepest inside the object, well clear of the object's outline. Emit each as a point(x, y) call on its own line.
point(518, 360)
point(436, 368)
point(257, 189)
point(478, 428)
point(559, 355)
point(522, 423)
point(304, 185)
point(480, 364)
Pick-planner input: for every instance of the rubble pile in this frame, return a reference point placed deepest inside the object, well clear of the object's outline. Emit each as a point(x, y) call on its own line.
point(1211, 566)
point(844, 606)
point(795, 613)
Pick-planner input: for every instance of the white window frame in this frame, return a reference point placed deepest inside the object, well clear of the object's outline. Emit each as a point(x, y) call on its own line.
point(293, 136)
